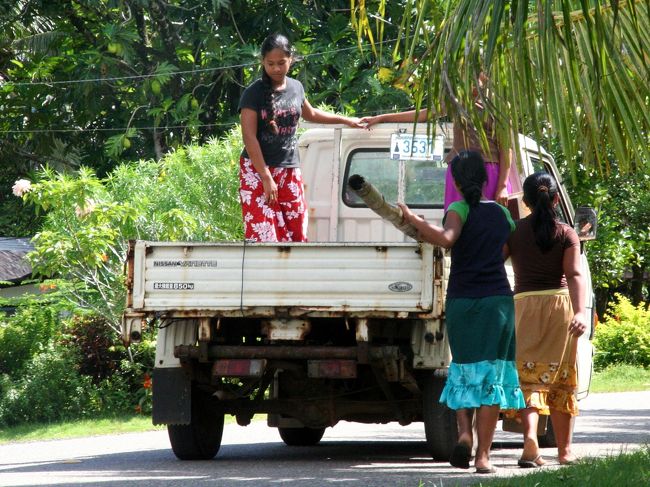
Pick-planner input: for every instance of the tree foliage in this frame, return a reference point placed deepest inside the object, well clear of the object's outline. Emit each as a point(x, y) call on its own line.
point(190, 194)
point(96, 82)
point(623, 243)
point(624, 335)
point(577, 70)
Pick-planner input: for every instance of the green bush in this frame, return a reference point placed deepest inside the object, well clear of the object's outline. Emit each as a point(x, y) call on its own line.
point(24, 334)
point(624, 336)
point(85, 372)
point(50, 389)
point(100, 349)
point(191, 194)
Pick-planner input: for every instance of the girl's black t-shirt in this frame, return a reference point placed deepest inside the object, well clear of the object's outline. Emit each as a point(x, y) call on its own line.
point(281, 149)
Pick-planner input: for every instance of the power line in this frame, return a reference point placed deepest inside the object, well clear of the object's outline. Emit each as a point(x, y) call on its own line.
point(173, 73)
point(116, 129)
point(120, 78)
point(161, 128)
point(170, 127)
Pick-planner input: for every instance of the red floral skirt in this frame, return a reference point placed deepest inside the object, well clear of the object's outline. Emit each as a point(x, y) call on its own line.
point(283, 221)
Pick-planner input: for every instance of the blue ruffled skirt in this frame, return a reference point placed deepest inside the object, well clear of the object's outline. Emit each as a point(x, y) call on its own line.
point(483, 371)
point(483, 384)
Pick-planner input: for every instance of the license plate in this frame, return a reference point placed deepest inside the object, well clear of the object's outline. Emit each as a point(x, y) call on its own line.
point(405, 147)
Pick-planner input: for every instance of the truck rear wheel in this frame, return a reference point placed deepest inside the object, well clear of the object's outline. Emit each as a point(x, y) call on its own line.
point(440, 427)
point(547, 440)
point(301, 436)
point(201, 439)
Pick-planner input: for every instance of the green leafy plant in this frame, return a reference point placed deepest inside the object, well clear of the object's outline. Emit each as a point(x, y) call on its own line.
point(27, 332)
point(190, 194)
point(51, 389)
point(624, 336)
point(99, 349)
point(84, 372)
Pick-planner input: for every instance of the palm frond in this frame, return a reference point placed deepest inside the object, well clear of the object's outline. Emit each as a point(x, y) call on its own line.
point(578, 70)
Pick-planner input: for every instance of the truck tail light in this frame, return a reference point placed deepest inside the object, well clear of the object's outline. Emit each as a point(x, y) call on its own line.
point(332, 369)
point(238, 368)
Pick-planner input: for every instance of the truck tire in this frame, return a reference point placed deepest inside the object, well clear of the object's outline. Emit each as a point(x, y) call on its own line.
point(547, 440)
point(301, 436)
point(440, 427)
point(201, 439)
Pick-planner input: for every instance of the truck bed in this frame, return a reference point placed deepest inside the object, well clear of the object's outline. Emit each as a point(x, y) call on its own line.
point(241, 278)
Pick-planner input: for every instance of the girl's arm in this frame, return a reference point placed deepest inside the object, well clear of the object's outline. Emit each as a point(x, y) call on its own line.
point(575, 280)
point(405, 117)
point(248, 119)
point(505, 162)
point(312, 114)
point(444, 236)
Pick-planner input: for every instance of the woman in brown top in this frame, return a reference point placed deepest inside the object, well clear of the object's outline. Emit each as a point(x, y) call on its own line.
point(549, 317)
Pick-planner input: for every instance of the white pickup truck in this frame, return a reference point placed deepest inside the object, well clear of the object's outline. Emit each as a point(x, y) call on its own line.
point(350, 326)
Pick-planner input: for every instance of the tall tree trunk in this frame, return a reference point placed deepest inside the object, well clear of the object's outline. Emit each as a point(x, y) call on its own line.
point(157, 144)
point(636, 285)
point(602, 300)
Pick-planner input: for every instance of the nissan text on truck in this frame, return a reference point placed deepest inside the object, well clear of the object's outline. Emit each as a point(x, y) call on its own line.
point(349, 326)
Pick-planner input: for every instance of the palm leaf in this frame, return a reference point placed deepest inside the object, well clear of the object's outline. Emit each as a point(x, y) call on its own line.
point(577, 67)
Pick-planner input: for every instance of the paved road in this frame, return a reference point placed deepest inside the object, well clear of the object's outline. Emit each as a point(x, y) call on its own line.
point(349, 455)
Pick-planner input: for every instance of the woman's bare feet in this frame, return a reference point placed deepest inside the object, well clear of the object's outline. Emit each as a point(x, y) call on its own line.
point(531, 449)
point(483, 465)
point(566, 457)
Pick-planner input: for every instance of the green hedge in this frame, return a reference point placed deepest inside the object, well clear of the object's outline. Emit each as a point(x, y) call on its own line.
point(624, 335)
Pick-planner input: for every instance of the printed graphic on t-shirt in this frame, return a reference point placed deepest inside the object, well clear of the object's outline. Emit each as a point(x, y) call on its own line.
point(287, 115)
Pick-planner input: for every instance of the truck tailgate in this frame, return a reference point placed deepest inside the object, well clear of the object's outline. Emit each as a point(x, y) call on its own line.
point(395, 277)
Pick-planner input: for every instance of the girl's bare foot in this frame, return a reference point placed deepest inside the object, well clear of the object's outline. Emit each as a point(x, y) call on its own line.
point(568, 460)
point(566, 457)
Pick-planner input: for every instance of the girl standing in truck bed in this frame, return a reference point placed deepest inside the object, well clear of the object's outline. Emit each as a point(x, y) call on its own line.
point(479, 311)
point(465, 137)
point(271, 187)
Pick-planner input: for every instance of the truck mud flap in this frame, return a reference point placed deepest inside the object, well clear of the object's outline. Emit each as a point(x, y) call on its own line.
point(172, 398)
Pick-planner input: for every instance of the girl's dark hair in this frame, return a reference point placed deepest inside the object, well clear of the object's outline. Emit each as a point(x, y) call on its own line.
point(468, 171)
point(540, 190)
point(273, 41)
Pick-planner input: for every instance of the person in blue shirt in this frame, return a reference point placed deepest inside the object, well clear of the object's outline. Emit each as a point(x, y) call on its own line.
point(479, 310)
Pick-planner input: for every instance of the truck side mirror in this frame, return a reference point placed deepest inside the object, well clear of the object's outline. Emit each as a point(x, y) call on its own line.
point(585, 223)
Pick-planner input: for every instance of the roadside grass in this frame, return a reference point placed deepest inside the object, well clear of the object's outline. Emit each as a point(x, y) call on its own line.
point(76, 429)
point(621, 378)
point(616, 378)
point(626, 469)
point(85, 427)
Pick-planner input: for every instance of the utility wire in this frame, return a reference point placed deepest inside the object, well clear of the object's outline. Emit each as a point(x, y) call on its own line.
point(117, 129)
point(171, 127)
point(161, 128)
point(173, 73)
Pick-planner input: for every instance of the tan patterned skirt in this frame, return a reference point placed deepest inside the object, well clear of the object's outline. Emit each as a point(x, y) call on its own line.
point(546, 351)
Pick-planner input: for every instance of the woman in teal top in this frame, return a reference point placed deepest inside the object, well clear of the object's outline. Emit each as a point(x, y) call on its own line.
point(479, 311)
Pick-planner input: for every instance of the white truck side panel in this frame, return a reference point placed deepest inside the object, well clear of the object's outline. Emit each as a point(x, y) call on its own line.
point(227, 276)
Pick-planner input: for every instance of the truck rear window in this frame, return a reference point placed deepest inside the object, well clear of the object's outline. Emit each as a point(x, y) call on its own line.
point(419, 184)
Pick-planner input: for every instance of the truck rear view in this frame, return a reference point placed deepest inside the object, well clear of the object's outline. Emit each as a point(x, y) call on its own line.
point(309, 334)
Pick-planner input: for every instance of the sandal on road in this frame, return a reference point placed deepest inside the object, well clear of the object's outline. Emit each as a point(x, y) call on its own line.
point(537, 462)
